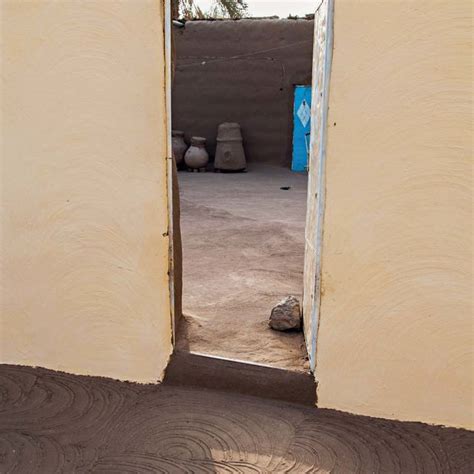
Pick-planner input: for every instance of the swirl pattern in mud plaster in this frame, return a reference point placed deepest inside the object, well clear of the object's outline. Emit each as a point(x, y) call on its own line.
point(54, 422)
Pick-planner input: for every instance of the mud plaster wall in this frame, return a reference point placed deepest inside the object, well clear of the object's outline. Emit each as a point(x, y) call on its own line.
point(242, 71)
point(84, 220)
point(395, 335)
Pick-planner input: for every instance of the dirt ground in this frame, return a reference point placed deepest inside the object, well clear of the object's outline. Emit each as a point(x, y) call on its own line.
point(55, 422)
point(243, 248)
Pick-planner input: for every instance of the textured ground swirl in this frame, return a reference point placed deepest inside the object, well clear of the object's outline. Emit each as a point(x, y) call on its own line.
point(53, 422)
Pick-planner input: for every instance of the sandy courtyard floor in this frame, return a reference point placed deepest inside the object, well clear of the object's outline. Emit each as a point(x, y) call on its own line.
point(243, 249)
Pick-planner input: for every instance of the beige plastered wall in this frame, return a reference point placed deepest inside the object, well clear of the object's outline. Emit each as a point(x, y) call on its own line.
point(396, 325)
point(84, 223)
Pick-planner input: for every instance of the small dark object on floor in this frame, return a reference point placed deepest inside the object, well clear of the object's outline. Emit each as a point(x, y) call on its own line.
point(285, 188)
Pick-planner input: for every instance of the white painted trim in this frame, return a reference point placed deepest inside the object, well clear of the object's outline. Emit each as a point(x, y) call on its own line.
point(321, 184)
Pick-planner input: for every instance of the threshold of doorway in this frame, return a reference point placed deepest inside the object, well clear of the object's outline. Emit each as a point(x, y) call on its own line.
point(217, 373)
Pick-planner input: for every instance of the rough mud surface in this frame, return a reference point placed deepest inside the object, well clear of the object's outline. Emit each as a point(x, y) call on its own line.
point(242, 71)
point(53, 422)
point(243, 251)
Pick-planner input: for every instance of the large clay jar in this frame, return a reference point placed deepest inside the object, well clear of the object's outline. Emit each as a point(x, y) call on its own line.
point(196, 157)
point(179, 146)
point(230, 154)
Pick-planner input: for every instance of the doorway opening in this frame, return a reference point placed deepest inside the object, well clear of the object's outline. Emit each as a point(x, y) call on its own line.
point(243, 233)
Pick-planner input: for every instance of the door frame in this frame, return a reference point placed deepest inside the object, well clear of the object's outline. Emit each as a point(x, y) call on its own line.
point(322, 60)
point(323, 38)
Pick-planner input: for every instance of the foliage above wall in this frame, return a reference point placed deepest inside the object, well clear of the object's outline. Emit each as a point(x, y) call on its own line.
point(189, 9)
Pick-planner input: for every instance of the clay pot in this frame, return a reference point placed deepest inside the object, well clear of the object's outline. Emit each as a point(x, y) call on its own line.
point(196, 157)
point(179, 146)
point(230, 154)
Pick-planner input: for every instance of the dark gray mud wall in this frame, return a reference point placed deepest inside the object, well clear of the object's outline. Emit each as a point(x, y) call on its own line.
point(242, 71)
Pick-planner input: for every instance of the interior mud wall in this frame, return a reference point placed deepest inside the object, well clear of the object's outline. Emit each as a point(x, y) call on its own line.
point(84, 242)
point(242, 71)
point(395, 335)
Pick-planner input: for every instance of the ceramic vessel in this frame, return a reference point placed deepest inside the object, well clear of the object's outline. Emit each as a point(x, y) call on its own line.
point(196, 157)
point(230, 154)
point(179, 146)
